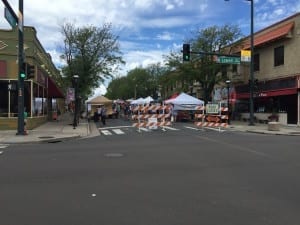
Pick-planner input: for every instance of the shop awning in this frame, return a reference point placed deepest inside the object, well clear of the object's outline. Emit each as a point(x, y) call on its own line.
point(53, 90)
point(272, 35)
point(291, 91)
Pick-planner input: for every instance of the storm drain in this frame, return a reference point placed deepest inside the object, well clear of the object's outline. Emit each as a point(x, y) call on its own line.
point(114, 155)
point(46, 137)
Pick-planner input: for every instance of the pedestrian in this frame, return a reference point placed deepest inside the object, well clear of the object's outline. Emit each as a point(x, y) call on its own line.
point(25, 121)
point(173, 114)
point(103, 115)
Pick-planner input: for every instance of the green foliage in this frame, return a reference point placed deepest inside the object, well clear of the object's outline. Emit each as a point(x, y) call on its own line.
point(178, 76)
point(139, 82)
point(202, 68)
point(90, 52)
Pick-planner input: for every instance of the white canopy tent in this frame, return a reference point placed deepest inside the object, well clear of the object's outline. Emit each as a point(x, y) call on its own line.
point(184, 102)
point(141, 101)
point(138, 101)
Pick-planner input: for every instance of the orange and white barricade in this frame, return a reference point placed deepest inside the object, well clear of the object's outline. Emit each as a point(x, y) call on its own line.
point(218, 120)
point(151, 116)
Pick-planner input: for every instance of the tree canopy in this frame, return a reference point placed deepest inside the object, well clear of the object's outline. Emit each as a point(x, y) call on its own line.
point(90, 52)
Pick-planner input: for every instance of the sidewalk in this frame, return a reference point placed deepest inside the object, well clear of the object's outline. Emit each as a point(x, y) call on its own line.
point(62, 129)
point(52, 131)
point(263, 128)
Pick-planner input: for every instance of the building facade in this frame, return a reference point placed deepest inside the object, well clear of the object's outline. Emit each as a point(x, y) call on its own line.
point(39, 91)
point(276, 74)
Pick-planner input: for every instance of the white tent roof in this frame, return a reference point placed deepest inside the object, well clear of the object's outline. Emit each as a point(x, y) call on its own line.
point(148, 100)
point(140, 101)
point(137, 101)
point(184, 99)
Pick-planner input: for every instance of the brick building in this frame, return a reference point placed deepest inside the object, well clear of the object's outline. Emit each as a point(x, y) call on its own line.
point(41, 93)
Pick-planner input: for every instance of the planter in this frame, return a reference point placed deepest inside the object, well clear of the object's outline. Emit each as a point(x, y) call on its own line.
point(273, 126)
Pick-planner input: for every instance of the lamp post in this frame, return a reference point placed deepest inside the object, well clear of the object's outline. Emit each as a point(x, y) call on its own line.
point(228, 112)
point(75, 80)
point(251, 86)
point(251, 122)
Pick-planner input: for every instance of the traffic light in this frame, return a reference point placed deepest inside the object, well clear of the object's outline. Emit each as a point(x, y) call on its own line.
point(23, 71)
point(30, 71)
point(186, 54)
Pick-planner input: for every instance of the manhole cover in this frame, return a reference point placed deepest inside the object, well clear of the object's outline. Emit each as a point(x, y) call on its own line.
point(46, 137)
point(114, 155)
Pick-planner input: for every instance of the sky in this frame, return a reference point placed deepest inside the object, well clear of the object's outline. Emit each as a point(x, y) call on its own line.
point(147, 29)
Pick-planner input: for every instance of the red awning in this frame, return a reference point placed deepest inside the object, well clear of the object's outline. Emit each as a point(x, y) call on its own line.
point(272, 35)
point(53, 90)
point(291, 91)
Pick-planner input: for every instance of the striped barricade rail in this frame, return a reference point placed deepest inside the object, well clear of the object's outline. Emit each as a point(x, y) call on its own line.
point(213, 121)
point(151, 108)
point(147, 116)
point(211, 124)
point(200, 108)
point(152, 124)
point(224, 117)
point(199, 116)
point(224, 109)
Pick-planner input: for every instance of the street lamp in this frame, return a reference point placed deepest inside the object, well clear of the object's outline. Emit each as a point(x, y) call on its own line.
point(75, 80)
point(228, 112)
point(251, 104)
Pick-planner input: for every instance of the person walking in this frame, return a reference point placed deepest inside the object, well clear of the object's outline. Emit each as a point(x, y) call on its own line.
point(25, 121)
point(103, 115)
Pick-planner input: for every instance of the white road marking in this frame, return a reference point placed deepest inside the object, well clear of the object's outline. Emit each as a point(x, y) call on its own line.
point(192, 128)
point(105, 128)
point(118, 131)
point(3, 146)
point(106, 132)
point(144, 129)
point(170, 128)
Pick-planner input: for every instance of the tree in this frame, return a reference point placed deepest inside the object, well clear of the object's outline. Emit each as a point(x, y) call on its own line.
point(202, 68)
point(90, 52)
point(139, 82)
point(212, 40)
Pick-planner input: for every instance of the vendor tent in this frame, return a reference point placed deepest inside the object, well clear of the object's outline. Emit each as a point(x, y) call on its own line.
point(141, 101)
point(99, 101)
point(148, 100)
point(138, 101)
point(184, 102)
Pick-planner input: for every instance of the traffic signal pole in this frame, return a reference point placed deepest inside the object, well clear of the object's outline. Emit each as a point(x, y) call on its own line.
point(21, 130)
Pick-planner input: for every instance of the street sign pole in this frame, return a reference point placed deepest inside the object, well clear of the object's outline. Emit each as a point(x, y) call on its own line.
point(21, 130)
point(11, 17)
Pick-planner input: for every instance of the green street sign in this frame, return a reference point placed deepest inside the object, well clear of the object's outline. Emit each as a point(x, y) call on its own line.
point(9, 17)
point(228, 60)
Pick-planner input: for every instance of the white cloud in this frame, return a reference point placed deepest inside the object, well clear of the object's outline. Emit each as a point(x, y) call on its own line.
point(166, 36)
point(148, 29)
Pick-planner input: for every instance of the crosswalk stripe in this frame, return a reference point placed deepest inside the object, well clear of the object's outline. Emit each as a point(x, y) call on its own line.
point(106, 132)
point(3, 146)
point(144, 129)
point(170, 128)
point(105, 128)
point(118, 131)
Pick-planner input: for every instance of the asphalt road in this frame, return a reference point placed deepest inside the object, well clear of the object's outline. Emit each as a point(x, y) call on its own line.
point(179, 177)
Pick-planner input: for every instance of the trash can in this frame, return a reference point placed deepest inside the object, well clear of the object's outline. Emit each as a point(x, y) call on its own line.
point(54, 115)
